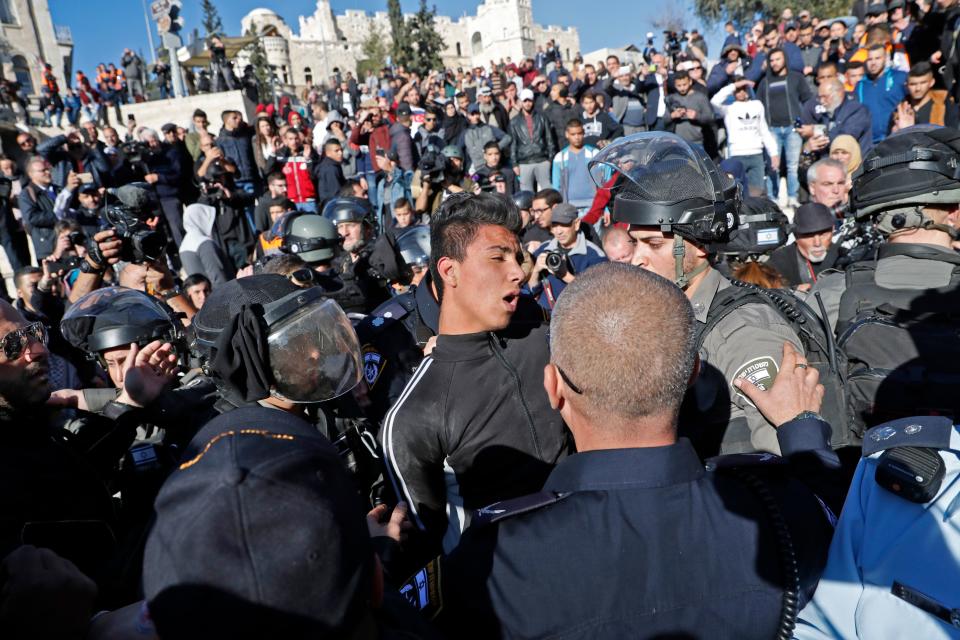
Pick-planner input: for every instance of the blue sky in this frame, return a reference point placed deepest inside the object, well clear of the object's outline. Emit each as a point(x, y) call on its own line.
point(102, 29)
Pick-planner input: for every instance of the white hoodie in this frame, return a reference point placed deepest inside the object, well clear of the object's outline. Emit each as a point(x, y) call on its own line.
point(746, 124)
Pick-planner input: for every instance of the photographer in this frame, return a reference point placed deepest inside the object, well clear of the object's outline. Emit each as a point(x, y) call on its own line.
point(70, 154)
point(162, 163)
point(557, 263)
point(87, 215)
point(440, 175)
point(42, 204)
point(219, 191)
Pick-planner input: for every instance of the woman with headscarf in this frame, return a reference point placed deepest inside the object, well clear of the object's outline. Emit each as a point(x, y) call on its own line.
point(200, 251)
point(846, 150)
point(454, 124)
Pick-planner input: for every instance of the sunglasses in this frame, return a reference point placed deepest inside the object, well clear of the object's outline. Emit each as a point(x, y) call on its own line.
point(577, 390)
point(14, 343)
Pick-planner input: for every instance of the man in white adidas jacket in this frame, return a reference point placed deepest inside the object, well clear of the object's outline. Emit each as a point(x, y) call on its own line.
point(747, 132)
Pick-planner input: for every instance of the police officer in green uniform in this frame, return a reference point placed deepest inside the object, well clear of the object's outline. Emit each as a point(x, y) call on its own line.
point(895, 315)
point(676, 203)
point(364, 289)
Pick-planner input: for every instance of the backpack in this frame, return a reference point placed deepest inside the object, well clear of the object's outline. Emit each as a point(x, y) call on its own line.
point(902, 345)
point(819, 346)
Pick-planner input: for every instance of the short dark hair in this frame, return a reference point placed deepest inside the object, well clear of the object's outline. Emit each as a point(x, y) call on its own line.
point(286, 203)
point(227, 112)
point(853, 64)
point(199, 113)
point(346, 189)
point(22, 273)
point(401, 203)
point(681, 75)
point(492, 144)
point(67, 224)
point(551, 196)
point(614, 57)
point(920, 69)
point(877, 46)
point(331, 142)
point(770, 28)
point(276, 175)
point(574, 123)
point(195, 279)
point(777, 50)
point(459, 218)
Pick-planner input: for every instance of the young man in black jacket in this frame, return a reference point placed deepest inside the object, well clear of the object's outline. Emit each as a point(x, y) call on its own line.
point(474, 425)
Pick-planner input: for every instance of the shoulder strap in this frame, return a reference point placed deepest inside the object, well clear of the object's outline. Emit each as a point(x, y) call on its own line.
point(920, 431)
point(508, 508)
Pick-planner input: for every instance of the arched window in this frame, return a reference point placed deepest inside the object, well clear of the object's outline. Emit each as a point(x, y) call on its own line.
point(286, 76)
point(7, 16)
point(568, 54)
point(459, 52)
point(476, 42)
point(307, 76)
point(21, 70)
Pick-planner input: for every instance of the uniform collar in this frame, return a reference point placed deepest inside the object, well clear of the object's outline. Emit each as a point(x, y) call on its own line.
point(705, 293)
point(610, 469)
point(427, 305)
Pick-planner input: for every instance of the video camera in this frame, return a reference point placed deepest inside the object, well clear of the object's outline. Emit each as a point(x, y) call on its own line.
point(134, 204)
point(674, 42)
point(134, 152)
point(433, 166)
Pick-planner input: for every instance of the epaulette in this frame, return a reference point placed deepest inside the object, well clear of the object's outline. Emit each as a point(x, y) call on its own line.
point(931, 432)
point(508, 508)
point(391, 311)
point(735, 460)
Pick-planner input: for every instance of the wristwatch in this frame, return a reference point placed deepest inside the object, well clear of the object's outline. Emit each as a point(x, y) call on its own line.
point(171, 293)
point(86, 267)
point(806, 415)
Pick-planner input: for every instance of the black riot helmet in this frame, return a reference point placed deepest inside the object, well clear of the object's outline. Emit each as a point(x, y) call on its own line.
point(264, 336)
point(913, 168)
point(413, 244)
point(523, 200)
point(117, 317)
point(657, 179)
point(348, 209)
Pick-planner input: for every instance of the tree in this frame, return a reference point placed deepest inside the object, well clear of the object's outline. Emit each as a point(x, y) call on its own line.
point(375, 53)
point(427, 44)
point(261, 68)
point(211, 17)
point(398, 29)
point(671, 18)
point(746, 11)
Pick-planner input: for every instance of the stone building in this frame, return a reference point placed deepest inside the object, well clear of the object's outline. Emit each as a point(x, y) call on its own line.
point(500, 29)
point(28, 38)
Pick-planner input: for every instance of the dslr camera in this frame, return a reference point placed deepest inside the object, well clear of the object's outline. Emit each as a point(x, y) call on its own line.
point(135, 203)
point(134, 152)
point(557, 264)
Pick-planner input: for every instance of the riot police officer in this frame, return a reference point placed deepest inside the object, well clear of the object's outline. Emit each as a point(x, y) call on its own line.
point(895, 315)
point(312, 237)
point(363, 288)
point(677, 203)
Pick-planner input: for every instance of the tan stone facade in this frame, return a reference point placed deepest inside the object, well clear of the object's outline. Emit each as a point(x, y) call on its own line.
point(500, 29)
point(31, 39)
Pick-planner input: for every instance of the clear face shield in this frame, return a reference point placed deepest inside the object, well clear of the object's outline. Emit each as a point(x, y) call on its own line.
point(314, 352)
point(114, 316)
point(414, 246)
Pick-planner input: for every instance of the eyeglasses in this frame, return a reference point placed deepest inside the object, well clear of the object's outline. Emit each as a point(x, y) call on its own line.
point(577, 390)
point(540, 210)
point(16, 341)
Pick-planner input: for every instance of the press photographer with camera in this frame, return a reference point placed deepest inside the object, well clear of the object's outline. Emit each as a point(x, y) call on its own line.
point(558, 262)
point(163, 171)
point(440, 174)
point(70, 154)
point(43, 203)
point(219, 191)
point(131, 239)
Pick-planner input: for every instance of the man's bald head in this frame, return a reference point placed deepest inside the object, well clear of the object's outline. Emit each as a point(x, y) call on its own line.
point(625, 337)
point(618, 245)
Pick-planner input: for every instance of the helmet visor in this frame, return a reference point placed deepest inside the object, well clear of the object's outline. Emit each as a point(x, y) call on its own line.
point(654, 166)
point(314, 354)
point(414, 246)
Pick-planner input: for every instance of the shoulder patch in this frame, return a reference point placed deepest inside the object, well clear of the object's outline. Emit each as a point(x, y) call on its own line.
point(373, 363)
point(507, 508)
point(423, 590)
point(932, 432)
point(760, 371)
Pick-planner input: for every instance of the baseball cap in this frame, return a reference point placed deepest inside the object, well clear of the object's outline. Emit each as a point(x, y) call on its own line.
point(791, 26)
point(812, 217)
point(526, 94)
point(403, 109)
point(258, 533)
point(876, 8)
point(474, 107)
point(564, 213)
point(896, 4)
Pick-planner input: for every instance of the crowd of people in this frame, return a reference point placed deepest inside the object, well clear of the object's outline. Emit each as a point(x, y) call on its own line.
point(425, 355)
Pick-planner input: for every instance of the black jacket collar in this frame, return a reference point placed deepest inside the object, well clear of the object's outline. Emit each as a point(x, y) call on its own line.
point(612, 469)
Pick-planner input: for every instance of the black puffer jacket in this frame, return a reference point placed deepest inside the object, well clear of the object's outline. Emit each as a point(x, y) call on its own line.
point(472, 427)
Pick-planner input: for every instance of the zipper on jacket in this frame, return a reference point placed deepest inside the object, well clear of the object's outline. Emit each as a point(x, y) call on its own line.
point(498, 351)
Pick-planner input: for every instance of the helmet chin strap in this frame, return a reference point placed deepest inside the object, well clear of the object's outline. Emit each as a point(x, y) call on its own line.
point(682, 279)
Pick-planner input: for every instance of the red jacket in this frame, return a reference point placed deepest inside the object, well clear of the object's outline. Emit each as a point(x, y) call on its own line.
point(379, 138)
point(300, 172)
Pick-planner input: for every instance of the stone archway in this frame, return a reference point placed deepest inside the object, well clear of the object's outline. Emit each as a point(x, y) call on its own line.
point(476, 43)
